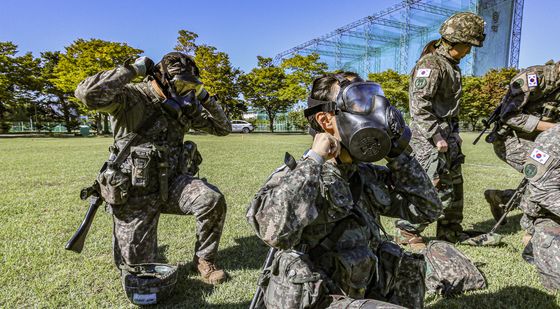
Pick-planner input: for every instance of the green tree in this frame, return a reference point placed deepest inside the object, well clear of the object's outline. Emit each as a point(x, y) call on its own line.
point(262, 86)
point(19, 84)
point(297, 118)
point(395, 87)
point(84, 58)
point(185, 42)
point(300, 71)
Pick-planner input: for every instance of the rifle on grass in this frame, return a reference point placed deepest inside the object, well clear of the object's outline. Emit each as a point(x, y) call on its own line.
point(76, 243)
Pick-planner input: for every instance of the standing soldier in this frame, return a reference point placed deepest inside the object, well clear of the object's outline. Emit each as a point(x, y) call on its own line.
point(435, 94)
point(541, 205)
point(530, 106)
point(150, 170)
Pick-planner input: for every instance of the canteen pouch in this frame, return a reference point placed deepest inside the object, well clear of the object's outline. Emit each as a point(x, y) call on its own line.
point(293, 284)
point(191, 158)
point(114, 186)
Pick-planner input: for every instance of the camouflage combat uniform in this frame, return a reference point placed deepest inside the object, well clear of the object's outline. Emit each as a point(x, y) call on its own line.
point(135, 222)
point(541, 204)
point(332, 213)
point(435, 93)
point(521, 111)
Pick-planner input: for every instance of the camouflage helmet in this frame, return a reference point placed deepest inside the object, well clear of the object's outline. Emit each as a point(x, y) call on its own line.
point(148, 284)
point(464, 27)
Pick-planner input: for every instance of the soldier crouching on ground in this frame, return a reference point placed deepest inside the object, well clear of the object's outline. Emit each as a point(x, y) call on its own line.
point(435, 95)
point(323, 212)
point(151, 170)
point(530, 106)
point(541, 205)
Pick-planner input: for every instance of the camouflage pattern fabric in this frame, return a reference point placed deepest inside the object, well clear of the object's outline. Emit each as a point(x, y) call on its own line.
point(541, 205)
point(435, 92)
point(332, 212)
point(350, 303)
point(449, 271)
point(513, 151)
point(135, 223)
point(464, 27)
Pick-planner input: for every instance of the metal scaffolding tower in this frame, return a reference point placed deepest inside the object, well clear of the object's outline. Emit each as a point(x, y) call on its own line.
point(394, 38)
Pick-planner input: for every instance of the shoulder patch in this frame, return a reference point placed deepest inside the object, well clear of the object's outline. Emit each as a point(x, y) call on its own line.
point(539, 156)
point(420, 83)
point(422, 72)
point(518, 83)
point(530, 170)
point(532, 80)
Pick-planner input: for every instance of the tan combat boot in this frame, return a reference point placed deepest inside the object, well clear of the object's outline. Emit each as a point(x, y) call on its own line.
point(495, 200)
point(415, 241)
point(210, 273)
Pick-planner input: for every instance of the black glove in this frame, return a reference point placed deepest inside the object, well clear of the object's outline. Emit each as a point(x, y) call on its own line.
point(143, 66)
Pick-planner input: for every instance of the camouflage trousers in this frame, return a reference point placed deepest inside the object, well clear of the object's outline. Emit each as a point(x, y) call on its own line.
point(444, 169)
point(546, 252)
point(513, 151)
point(350, 303)
point(135, 223)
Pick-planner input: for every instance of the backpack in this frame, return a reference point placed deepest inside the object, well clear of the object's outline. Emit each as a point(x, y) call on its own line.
point(449, 271)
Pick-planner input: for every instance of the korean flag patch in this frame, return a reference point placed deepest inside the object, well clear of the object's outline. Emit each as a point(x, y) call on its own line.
point(423, 72)
point(539, 156)
point(532, 80)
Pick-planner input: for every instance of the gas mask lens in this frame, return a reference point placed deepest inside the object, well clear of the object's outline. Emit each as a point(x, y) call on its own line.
point(182, 87)
point(358, 97)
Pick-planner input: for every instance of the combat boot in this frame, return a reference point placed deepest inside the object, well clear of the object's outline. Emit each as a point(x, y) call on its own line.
point(497, 199)
point(415, 241)
point(452, 233)
point(210, 273)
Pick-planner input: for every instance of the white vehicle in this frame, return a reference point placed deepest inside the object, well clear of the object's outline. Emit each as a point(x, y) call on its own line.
point(241, 126)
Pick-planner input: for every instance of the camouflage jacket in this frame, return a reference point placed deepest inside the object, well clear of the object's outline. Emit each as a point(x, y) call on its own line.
point(333, 213)
point(130, 104)
point(542, 169)
point(528, 92)
point(435, 92)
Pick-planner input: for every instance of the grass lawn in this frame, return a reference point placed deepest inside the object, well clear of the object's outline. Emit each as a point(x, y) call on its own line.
point(40, 209)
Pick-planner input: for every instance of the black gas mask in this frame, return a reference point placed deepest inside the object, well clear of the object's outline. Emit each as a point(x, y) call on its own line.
point(179, 77)
point(370, 127)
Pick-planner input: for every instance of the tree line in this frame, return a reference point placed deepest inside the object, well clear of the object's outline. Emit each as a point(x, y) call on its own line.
point(43, 87)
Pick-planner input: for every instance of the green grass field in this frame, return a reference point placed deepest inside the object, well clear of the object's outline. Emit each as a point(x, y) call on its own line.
point(40, 209)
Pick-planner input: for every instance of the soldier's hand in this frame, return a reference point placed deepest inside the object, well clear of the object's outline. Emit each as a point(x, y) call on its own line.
point(143, 66)
point(326, 145)
point(441, 144)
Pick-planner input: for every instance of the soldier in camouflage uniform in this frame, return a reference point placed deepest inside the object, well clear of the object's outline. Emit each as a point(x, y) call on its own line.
point(154, 178)
point(435, 94)
point(327, 208)
point(541, 205)
point(529, 107)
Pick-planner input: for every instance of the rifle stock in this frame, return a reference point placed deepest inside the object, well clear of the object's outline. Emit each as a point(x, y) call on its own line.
point(257, 300)
point(76, 243)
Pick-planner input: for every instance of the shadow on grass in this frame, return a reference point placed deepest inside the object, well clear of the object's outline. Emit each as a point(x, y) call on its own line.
point(248, 253)
point(511, 227)
point(510, 297)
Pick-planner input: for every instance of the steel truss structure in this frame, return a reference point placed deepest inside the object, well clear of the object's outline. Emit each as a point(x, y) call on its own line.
point(394, 38)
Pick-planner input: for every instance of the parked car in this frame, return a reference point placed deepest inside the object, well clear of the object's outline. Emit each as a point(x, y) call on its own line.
point(241, 126)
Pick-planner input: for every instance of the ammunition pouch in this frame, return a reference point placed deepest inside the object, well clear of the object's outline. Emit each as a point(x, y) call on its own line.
point(550, 112)
point(191, 158)
point(293, 284)
point(141, 158)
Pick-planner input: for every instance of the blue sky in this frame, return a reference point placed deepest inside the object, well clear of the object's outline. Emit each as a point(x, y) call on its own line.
point(243, 29)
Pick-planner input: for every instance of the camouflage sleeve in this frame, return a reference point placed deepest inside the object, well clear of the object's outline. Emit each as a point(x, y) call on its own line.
point(285, 205)
point(512, 111)
point(212, 119)
point(423, 87)
point(545, 192)
point(413, 197)
point(105, 91)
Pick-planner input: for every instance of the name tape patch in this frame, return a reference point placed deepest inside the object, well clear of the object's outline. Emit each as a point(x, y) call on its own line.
point(539, 156)
point(144, 299)
point(423, 72)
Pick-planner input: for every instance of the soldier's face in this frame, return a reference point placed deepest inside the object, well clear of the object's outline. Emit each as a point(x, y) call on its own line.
point(459, 51)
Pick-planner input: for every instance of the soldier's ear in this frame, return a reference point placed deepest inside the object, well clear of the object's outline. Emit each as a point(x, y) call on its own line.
point(327, 121)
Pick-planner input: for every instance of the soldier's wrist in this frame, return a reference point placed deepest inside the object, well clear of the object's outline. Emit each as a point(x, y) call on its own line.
point(312, 155)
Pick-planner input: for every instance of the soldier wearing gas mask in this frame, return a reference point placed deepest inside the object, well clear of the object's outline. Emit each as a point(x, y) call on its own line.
point(435, 95)
point(323, 211)
point(530, 106)
point(151, 170)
